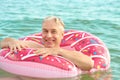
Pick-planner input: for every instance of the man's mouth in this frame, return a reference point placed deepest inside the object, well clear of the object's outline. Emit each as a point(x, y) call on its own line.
point(49, 41)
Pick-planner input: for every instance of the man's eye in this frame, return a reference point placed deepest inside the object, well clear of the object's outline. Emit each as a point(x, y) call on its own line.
point(54, 32)
point(44, 31)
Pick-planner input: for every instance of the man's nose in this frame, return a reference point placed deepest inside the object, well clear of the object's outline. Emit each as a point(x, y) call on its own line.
point(49, 34)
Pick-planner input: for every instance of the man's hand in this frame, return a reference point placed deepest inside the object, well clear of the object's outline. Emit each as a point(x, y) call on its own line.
point(13, 44)
point(47, 51)
point(16, 44)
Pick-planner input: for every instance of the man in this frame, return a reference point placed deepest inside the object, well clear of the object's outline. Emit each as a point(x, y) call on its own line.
point(52, 34)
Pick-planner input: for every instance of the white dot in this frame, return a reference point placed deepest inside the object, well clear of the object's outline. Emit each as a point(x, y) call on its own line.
point(52, 59)
point(67, 63)
point(21, 55)
point(69, 66)
point(47, 58)
point(99, 62)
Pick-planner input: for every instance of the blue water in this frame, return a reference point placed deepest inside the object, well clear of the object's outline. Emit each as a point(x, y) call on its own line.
point(19, 18)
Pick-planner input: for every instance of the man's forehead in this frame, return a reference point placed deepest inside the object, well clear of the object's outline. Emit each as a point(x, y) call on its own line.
point(50, 22)
point(52, 25)
point(50, 28)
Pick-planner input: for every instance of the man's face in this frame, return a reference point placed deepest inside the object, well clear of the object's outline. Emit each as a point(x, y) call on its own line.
point(52, 34)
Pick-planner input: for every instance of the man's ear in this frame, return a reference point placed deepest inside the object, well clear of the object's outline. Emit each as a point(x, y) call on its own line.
point(62, 35)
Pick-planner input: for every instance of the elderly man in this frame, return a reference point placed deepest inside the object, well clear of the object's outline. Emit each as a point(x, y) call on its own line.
point(52, 34)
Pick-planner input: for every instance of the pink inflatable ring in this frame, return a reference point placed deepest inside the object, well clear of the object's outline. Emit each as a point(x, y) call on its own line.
point(26, 63)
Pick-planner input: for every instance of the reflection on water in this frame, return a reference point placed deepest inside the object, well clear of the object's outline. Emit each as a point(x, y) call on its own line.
point(100, 75)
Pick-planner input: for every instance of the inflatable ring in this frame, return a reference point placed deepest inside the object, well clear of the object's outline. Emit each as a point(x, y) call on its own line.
point(26, 63)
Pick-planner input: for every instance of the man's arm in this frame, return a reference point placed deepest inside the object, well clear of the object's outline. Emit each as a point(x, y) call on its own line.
point(81, 60)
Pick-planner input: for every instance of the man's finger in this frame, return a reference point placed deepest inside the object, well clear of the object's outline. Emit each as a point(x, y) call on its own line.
point(11, 49)
point(23, 46)
point(38, 51)
point(14, 48)
point(45, 55)
point(19, 47)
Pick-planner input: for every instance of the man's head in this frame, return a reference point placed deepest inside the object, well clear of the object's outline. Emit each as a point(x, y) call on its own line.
point(52, 31)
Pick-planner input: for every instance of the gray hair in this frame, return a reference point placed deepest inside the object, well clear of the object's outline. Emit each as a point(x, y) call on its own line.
point(56, 19)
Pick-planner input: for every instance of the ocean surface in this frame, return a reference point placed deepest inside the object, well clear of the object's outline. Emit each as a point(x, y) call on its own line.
point(19, 18)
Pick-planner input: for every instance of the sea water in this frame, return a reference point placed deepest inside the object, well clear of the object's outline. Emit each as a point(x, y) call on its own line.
point(19, 18)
